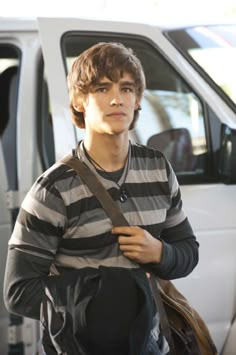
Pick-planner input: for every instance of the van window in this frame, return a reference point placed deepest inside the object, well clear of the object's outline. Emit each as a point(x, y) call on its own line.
point(172, 117)
point(45, 137)
point(9, 78)
point(212, 49)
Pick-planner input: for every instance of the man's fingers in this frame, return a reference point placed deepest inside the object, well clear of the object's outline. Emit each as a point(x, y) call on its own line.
point(131, 255)
point(126, 230)
point(130, 248)
point(126, 240)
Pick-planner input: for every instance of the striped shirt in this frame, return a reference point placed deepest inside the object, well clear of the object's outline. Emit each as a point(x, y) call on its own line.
point(61, 221)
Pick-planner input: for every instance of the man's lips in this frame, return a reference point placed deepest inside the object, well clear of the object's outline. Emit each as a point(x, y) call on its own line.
point(118, 113)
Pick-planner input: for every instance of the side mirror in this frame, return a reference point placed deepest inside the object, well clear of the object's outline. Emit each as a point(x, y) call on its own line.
point(227, 155)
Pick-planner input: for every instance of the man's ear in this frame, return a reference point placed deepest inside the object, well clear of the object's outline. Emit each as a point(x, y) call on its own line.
point(79, 107)
point(137, 105)
point(80, 103)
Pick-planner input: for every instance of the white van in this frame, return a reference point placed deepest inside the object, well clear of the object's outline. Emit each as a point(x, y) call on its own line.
point(188, 112)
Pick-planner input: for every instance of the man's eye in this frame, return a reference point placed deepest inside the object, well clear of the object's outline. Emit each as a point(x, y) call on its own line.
point(101, 89)
point(127, 89)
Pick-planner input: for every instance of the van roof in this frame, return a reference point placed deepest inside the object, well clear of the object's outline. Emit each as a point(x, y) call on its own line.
point(9, 24)
point(30, 23)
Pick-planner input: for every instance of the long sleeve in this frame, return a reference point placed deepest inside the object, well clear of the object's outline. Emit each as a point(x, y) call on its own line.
point(180, 247)
point(180, 252)
point(24, 281)
point(27, 276)
point(32, 247)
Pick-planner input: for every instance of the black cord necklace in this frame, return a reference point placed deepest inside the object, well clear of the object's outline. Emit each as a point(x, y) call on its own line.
point(123, 194)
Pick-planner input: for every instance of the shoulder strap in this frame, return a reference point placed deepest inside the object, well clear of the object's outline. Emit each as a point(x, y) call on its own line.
point(96, 187)
point(118, 219)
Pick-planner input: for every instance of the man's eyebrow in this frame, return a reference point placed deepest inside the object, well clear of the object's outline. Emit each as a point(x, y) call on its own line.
point(127, 83)
point(109, 83)
point(102, 83)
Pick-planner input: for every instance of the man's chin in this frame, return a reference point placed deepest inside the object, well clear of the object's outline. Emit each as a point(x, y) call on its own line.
point(118, 129)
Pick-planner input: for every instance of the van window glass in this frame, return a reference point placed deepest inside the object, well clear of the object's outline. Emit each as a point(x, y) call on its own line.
point(9, 78)
point(213, 49)
point(45, 135)
point(171, 118)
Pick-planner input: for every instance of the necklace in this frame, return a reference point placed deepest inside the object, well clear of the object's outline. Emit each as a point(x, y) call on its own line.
point(123, 194)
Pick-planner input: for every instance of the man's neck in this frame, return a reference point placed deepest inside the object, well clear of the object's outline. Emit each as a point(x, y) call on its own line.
point(109, 152)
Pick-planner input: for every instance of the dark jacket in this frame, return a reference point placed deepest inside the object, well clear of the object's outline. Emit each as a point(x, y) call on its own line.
point(64, 305)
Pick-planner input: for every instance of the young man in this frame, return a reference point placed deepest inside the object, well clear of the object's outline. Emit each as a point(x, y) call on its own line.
point(61, 223)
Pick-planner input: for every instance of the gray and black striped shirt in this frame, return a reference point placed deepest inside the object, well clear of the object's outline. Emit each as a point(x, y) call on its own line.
point(61, 222)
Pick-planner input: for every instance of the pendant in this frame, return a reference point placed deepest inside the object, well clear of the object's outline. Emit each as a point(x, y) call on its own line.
point(123, 196)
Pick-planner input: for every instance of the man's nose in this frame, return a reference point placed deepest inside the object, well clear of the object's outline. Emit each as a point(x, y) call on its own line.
point(116, 99)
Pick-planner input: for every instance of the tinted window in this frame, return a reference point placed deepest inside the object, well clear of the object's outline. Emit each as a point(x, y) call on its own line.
point(213, 50)
point(45, 134)
point(9, 79)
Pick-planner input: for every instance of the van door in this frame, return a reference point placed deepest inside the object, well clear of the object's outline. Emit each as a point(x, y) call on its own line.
point(182, 116)
point(26, 149)
point(9, 75)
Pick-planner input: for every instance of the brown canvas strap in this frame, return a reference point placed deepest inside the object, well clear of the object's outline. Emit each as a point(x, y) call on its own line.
point(96, 187)
point(118, 219)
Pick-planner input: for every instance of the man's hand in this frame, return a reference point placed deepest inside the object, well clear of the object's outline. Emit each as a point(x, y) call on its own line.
point(138, 245)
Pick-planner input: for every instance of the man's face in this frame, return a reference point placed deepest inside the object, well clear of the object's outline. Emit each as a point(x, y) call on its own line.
point(109, 106)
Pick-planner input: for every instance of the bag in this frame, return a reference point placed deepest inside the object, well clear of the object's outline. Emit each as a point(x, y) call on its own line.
point(184, 329)
point(189, 333)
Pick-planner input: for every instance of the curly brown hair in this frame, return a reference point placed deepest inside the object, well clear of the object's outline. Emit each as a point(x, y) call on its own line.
point(103, 59)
